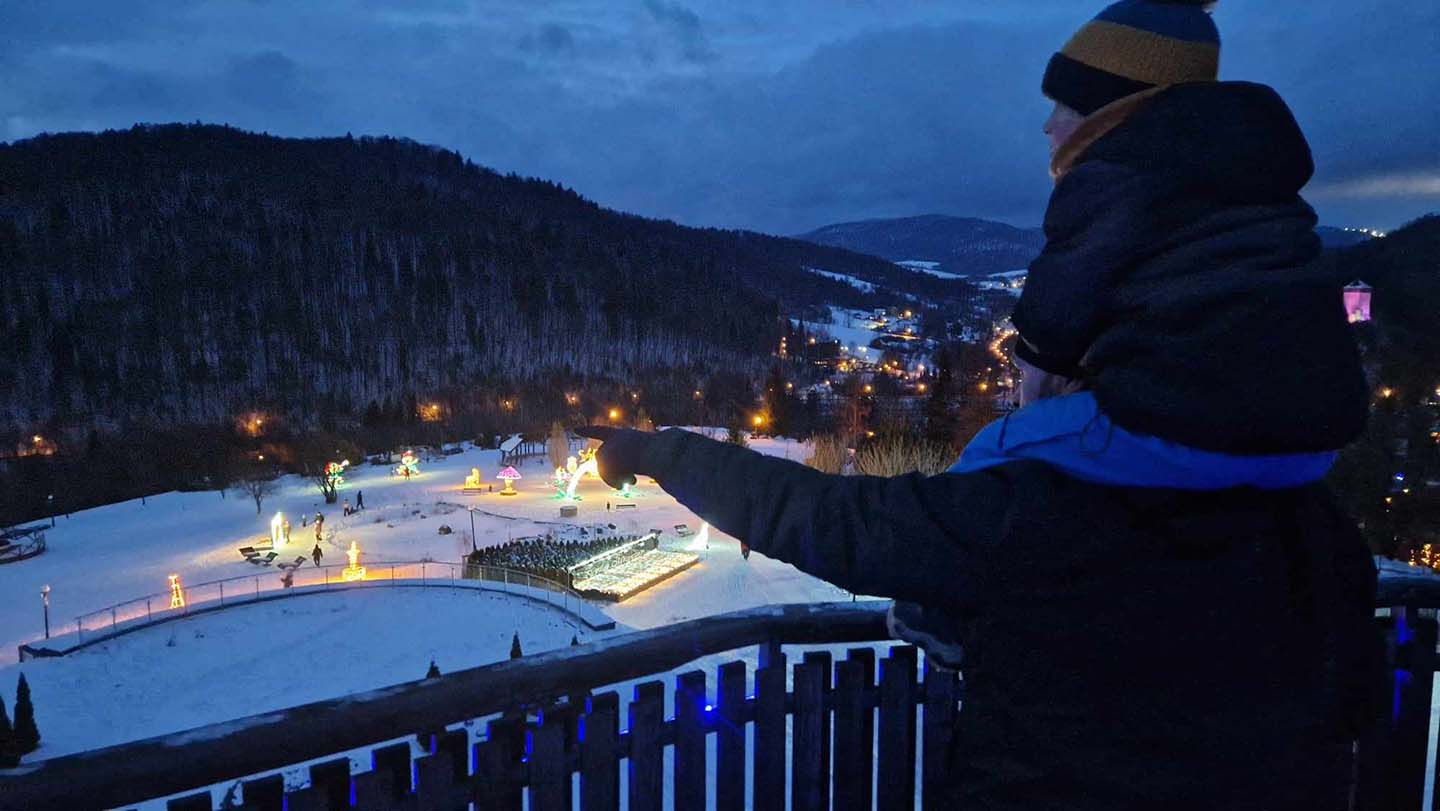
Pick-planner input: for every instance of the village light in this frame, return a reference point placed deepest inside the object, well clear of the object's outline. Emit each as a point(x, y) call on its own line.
point(45, 598)
point(1387, 392)
point(758, 420)
point(614, 414)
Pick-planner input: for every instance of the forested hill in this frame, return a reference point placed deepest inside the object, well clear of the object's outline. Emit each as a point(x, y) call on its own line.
point(184, 273)
point(1403, 342)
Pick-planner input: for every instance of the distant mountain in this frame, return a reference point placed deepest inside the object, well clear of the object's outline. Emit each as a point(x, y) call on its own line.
point(962, 245)
point(181, 274)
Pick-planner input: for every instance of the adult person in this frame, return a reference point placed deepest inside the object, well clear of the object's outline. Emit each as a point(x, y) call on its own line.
point(1134, 635)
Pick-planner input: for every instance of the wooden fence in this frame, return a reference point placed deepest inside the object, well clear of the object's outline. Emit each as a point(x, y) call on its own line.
point(858, 732)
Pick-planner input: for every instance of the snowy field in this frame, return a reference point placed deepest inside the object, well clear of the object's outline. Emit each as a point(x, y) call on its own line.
point(241, 661)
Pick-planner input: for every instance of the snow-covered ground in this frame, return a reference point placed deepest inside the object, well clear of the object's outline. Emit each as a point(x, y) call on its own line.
point(244, 660)
point(859, 284)
point(854, 329)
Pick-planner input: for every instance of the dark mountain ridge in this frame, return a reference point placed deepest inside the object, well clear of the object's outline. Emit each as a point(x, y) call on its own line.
point(962, 245)
point(184, 273)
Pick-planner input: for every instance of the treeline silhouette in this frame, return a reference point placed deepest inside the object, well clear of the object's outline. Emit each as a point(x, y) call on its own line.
point(182, 274)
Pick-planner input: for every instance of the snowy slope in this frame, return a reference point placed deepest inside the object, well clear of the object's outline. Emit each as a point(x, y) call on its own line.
point(245, 660)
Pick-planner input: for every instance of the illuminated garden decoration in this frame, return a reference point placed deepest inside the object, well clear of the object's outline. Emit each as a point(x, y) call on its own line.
point(177, 594)
point(409, 465)
point(354, 571)
point(335, 472)
point(277, 530)
point(509, 475)
point(472, 482)
point(1357, 302)
point(588, 466)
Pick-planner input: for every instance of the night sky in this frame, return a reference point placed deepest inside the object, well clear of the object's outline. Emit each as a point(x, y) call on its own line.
point(778, 116)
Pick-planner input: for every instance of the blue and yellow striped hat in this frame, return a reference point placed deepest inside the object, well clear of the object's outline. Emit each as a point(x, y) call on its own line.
point(1132, 46)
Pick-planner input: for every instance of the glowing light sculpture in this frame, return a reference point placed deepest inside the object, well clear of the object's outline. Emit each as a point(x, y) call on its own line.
point(472, 482)
point(177, 594)
point(354, 571)
point(1357, 302)
point(335, 473)
point(509, 475)
point(409, 465)
point(587, 466)
point(277, 530)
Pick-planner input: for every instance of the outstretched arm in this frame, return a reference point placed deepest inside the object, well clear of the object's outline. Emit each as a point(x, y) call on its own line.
point(911, 537)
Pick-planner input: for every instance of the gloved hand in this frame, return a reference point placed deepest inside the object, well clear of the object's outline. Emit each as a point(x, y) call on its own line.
point(622, 452)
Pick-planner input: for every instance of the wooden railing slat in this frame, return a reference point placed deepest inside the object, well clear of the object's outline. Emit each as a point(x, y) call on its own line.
point(852, 751)
point(600, 754)
point(265, 793)
point(647, 757)
point(312, 798)
point(550, 788)
point(333, 779)
point(823, 660)
point(870, 699)
point(436, 787)
point(895, 788)
point(496, 785)
point(769, 756)
point(730, 738)
point(690, 729)
point(375, 790)
point(194, 802)
point(937, 730)
point(810, 774)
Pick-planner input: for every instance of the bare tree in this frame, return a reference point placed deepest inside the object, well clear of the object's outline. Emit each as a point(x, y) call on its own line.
point(643, 421)
point(898, 454)
point(257, 486)
point(829, 454)
point(558, 446)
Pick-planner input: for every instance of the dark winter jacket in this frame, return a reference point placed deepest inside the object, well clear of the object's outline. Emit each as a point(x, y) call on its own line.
point(1178, 278)
point(1124, 648)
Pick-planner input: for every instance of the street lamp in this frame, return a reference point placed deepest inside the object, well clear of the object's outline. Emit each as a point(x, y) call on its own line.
point(473, 547)
point(45, 597)
point(50, 507)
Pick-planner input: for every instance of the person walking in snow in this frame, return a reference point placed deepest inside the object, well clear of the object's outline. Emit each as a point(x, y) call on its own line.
point(359, 500)
point(1155, 600)
point(346, 508)
point(317, 554)
point(319, 527)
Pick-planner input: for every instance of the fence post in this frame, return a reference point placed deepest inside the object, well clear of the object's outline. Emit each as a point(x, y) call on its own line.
point(147, 609)
point(79, 633)
point(222, 592)
point(257, 586)
point(113, 622)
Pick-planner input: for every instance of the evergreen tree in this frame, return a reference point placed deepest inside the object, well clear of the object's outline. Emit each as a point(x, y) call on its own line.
point(735, 432)
point(941, 419)
point(433, 672)
point(27, 735)
point(9, 752)
point(515, 652)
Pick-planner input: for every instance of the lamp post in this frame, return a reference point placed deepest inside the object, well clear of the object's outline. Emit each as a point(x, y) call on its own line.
point(473, 547)
point(45, 597)
point(50, 508)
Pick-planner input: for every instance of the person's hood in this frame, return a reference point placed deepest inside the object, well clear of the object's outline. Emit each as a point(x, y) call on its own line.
point(1235, 138)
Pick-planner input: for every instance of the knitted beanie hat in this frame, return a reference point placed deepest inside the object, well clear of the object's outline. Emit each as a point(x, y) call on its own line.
point(1132, 46)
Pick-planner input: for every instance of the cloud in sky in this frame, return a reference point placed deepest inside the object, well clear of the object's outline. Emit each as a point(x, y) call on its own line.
point(778, 117)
